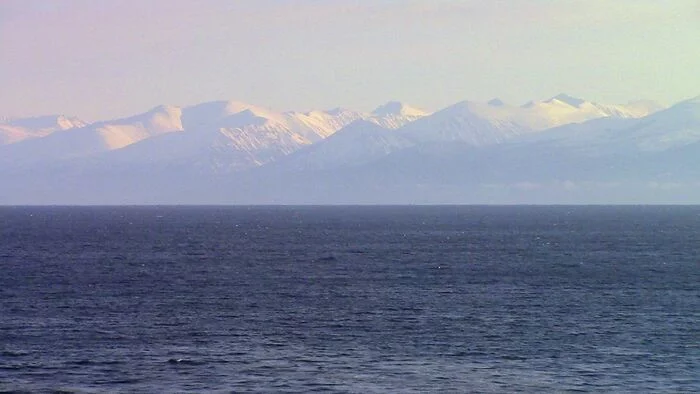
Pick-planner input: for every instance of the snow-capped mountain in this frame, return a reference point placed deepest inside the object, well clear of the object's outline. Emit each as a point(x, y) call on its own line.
point(394, 115)
point(674, 127)
point(232, 134)
point(565, 109)
point(368, 138)
point(669, 128)
point(226, 136)
point(19, 129)
point(474, 123)
point(482, 124)
point(358, 143)
point(251, 119)
point(325, 123)
point(94, 138)
point(470, 123)
point(547, 150)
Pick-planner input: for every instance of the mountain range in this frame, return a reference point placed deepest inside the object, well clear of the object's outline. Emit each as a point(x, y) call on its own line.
point(560, 150)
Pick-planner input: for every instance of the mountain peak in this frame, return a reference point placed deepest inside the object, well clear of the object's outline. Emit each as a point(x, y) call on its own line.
point(644, 106)
point(461, 107)
point(336, 111)
point(496, 102)
point(47, 122)
point(565, 98)
point(363, 125)
point(397, 108)
point(165, 109)
point(694, 100)
point(690, 106)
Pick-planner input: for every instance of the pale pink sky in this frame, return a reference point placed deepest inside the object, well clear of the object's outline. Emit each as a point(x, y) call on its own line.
point(110, 58)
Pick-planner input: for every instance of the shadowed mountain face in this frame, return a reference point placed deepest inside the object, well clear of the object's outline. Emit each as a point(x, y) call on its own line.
point(560, 150)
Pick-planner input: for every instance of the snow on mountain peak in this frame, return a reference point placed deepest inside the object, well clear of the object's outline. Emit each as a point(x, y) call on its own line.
point(686, 112)
point(457, 108)
point(360, 142)
point(395, 114)
point(397, 108)
point(118, 133)
point(46, 123)
point(673, 127)
point(236, 129)
point(14, 130)
point(475, 123)
point(216, 114)
point(165, 108)
point(325, 123)
point(236, 107)
point(336, 111)
point(495, 122)
point(360, 125)
point(163, 118)
point(694, 100)
point(644, 107)
point(566, 99)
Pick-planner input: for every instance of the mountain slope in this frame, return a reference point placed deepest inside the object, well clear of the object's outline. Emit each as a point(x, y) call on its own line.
point(229, 136)
point(325, 123)
point(666, 129)
point(356, 144)
point(19, 129)
point(394, 115)
point(233, 152)
point(92, 139)
point(674, 127)
point(226, 136)
point(364, 140)
point(495, 122)
point(475, 123)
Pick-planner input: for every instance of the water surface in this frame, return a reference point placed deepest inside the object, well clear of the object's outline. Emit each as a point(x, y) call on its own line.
point(350, 299)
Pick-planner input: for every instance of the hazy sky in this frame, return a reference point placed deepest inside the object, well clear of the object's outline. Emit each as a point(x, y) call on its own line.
point(110, 58)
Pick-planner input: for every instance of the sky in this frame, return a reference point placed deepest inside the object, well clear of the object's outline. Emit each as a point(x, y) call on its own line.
point(113, 58)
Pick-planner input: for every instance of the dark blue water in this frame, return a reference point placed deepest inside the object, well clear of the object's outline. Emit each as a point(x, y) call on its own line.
point(350, 299)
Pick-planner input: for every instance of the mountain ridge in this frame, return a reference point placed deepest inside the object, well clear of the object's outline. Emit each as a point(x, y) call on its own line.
point(234, 152)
